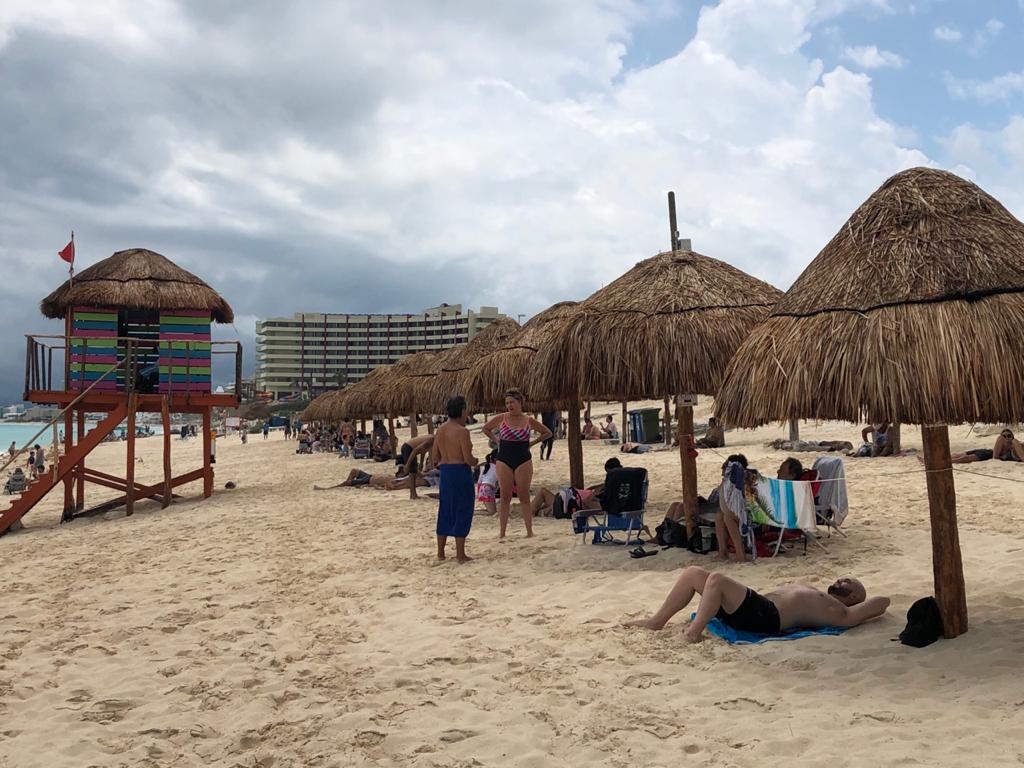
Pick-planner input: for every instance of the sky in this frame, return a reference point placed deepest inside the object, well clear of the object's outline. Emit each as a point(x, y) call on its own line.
point(346, 156)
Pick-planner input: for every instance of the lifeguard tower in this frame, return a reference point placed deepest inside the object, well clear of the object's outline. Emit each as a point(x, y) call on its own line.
point(137, 339)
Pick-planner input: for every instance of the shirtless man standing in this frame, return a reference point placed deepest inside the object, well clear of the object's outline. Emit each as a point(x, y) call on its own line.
point(789, 607)
point(453, 455)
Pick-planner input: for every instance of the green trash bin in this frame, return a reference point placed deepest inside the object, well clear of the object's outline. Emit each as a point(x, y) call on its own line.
point(645, 425)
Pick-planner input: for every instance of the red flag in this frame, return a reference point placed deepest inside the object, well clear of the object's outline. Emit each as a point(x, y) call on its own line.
point(68, 251)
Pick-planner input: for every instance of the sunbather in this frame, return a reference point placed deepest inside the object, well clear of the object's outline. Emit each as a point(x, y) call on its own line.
point(1006, 448)
point(714, 437)
point(791, 606)
point(358, 477)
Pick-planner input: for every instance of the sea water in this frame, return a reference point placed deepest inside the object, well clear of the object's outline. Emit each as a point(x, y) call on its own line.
point(22, 432)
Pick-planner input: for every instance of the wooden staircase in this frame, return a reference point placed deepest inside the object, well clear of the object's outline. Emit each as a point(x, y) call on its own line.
point(72, 458)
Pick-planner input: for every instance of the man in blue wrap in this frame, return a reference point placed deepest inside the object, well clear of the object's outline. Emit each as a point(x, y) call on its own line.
point(453, 455)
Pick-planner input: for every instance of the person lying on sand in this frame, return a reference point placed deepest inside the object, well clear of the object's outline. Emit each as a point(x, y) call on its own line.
point(358, 477)
point(1006, 448)
point(788, 607)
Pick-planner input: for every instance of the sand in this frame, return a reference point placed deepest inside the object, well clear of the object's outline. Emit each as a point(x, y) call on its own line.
point(277, 626)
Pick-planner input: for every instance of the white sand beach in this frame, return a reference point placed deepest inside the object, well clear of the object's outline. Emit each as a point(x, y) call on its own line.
point(277, 626)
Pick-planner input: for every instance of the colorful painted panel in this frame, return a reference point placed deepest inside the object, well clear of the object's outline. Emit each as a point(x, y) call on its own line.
point(93, 349)
point(185, 364)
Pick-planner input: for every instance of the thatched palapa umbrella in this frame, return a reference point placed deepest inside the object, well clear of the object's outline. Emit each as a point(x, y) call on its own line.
point(456, 363)
point(666, 327)
point(136, 279)
point(485, 383)
point(912, 313)
point(359, 400)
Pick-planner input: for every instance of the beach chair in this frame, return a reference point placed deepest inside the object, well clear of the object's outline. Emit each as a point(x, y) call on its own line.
point(831, 504)
point(361, 449)
point(16, 482)
point(624, 503)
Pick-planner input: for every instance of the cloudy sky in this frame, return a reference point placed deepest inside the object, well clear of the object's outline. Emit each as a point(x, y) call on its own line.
point(358, 156)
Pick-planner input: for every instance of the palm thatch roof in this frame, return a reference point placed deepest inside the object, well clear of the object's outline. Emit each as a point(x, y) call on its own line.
point(912, 313)
point(434, 390)
point(318, 408)
point(137, 279)
point(360, 400)
point(668, 326)
point(491, 374)
point(400, 392)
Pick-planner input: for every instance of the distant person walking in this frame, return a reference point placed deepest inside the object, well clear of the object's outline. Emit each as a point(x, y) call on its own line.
point(550, 420)
point(266, 429)
point(13, 450)
point(453, 455)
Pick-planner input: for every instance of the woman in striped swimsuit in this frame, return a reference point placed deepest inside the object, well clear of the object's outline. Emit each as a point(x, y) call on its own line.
point(513, 430)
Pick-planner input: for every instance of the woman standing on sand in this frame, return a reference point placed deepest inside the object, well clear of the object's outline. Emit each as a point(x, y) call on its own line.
point(513, 430)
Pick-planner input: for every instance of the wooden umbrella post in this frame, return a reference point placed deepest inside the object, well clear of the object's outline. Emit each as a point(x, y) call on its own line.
point(413, 426)
point(667, 431)
point(947, 566)
point(794, 430)
point(625, 415)
point(572, 435)
point(894, 437)
point(688, 464)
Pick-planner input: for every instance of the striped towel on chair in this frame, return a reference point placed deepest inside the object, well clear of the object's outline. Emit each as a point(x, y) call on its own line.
point(790, 503)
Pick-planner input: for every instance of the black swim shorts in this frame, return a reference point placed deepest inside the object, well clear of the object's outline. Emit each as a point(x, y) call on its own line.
point(755, 614)
point(982, 454)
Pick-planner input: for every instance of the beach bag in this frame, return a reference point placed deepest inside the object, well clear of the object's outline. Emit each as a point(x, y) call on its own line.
point(565, 503)
point(924, 623)
point(671, 533)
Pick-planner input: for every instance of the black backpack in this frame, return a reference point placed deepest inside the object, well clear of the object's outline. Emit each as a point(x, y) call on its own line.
point(670, 533)
point(565, 503)
point(924, 623)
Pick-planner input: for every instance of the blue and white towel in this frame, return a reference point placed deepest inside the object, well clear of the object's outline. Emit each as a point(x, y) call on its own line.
point(739, 637)
point(789, 503)
point(730, 494)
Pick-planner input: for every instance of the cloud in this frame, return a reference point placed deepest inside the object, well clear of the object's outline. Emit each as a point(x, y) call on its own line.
point(870, 57)
point(947, 34)
point(1000, 88)
point(984, 36)
point(358, 157)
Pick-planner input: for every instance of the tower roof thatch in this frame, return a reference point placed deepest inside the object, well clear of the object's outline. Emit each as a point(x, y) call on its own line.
point(434, 390)
point(137, 279)
point(913, 313)
point(491, 374)
point(668, 326)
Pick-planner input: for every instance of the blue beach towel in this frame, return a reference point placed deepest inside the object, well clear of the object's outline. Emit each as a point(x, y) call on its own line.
point(736, 637)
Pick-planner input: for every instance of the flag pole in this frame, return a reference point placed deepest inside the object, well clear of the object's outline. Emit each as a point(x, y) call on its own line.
point(71, 266)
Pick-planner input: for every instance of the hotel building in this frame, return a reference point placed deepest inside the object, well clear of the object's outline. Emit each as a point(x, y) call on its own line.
point(309, 353)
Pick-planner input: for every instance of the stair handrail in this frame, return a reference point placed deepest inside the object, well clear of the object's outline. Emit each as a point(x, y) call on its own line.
point(59, 416)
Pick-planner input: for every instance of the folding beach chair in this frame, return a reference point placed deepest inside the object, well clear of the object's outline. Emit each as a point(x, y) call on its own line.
point(830, 501)
point(790, 509)
point(624, 502)
point(361, 449)
point(16, 482)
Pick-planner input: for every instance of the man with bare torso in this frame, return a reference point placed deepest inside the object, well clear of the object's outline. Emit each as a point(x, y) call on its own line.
point(789, 607)
point(452, 454)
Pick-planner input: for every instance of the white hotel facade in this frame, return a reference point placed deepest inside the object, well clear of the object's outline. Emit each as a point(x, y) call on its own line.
point(312, 352)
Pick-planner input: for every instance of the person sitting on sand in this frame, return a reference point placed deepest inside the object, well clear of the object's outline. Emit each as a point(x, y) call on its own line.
point(357, 478)
point(1006, 448)
point(591, 497)
point(714, 437)
point(790, 607)
point(590, 430)
point(609, 431)
point(881, 444)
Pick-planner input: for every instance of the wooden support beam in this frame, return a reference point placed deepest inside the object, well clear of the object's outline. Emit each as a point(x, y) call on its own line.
point(667, 431)
point(794, 430)
point(687, 462)
point(947, 566)
point(207, 471)
point(130, 471)
point(625, 415)
point(69, 478)
point(413, 426)
point(575, 446)
point(79, 479)
point(165, 417)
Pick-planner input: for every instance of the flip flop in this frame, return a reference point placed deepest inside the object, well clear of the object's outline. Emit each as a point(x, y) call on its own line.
point(641, 552)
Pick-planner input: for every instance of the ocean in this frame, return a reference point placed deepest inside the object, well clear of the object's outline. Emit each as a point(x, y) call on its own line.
point(22, 432)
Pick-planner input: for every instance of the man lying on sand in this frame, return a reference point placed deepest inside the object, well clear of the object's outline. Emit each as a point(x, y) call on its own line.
point(1006, 448)
point(789, 607)
point(358, 477)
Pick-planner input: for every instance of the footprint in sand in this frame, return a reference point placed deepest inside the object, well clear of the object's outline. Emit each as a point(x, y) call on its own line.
point(108, 711)
point(744, 704)
point(369, 738)
point(456, 734)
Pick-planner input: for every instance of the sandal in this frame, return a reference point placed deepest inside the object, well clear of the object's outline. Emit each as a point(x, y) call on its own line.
point(639, 552)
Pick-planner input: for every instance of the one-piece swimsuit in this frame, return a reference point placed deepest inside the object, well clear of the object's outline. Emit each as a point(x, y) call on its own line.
point(513, 445)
